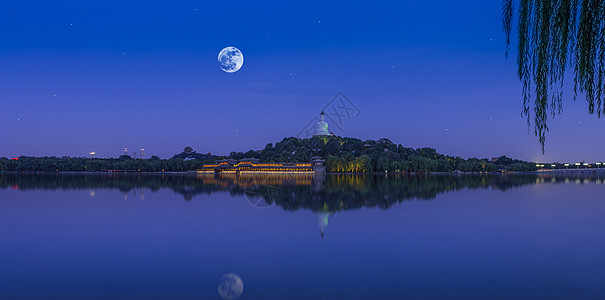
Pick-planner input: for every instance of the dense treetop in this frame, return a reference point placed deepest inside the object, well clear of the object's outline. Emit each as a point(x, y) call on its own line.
point(344, 154)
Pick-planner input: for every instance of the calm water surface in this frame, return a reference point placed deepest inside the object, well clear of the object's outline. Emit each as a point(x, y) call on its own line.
point(302, 237)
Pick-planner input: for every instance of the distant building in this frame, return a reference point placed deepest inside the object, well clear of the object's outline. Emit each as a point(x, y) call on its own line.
point(318, 164)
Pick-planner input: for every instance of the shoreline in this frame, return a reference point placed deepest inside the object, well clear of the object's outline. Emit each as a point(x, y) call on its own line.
point(195, 172)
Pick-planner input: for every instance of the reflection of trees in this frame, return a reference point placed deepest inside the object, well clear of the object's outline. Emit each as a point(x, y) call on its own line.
point(188, 186)
point(344, 192)
point(292, 192)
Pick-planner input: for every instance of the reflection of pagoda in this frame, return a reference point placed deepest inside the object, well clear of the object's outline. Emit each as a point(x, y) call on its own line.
point(322, 221)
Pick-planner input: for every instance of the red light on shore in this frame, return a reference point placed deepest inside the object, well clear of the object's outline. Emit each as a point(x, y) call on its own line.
point(15, 158)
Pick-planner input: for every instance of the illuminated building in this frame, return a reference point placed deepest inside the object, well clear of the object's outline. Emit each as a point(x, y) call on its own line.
point(251, 165)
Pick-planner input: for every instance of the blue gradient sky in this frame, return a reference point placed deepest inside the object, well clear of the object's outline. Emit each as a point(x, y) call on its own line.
point(80, 76)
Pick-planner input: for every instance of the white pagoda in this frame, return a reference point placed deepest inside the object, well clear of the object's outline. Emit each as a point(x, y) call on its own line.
point(322, 127)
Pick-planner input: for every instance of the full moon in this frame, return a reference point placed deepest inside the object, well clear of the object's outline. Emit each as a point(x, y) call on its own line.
point(231, 286)
point(230, 59)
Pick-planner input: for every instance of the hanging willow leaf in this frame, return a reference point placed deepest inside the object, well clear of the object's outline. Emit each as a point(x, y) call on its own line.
point(552, 35)
point(507, 22)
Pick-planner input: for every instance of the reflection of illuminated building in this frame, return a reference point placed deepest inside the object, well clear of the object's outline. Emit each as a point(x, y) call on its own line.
point(248, 180)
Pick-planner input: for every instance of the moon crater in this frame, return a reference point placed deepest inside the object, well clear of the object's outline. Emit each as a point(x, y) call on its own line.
point(230, 59)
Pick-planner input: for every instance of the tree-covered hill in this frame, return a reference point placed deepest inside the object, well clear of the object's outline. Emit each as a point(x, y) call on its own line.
point(342, 154)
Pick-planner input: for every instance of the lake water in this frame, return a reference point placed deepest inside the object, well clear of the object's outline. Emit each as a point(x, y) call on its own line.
point(302, 237)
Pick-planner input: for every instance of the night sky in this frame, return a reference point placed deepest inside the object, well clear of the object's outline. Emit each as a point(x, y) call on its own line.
point(82, 76)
